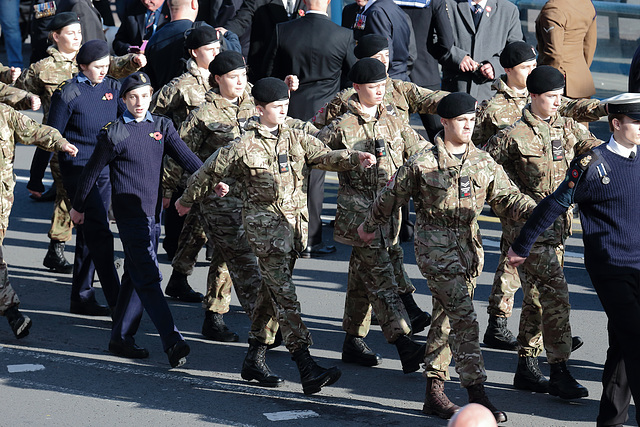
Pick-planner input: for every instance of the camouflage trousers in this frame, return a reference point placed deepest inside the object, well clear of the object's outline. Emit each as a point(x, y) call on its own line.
point(225, 230)
point(545, 305)
point(506, 283)
point(8, 297)
point(192, 238)
point(61, 224)
point(402, 279)
point(454, 329)
point(277, 275)
point(372, 282)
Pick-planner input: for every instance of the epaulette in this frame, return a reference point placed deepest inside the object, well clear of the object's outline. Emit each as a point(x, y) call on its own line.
point(116, 131)
point(68, 91)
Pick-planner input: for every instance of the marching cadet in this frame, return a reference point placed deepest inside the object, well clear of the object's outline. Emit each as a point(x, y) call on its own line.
point(17, 127)
point(271, 162)
point(404, 98)
point(605, 183)
point(80, 107)
point(450, 183)
point(8, 75)
point(176, 100)
point(368, 126)
point(501, 111)
point(536, 152)
point(42, 78)
point(133, 147)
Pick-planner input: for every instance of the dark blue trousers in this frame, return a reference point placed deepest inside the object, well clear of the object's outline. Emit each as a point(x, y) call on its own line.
point(94, 243)
point(141, 283)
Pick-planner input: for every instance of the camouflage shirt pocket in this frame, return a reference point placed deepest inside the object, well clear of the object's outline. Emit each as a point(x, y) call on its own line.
point(533, 163)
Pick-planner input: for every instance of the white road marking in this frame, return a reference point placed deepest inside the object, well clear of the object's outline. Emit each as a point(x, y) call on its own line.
point(289, 415)
point(24, 368)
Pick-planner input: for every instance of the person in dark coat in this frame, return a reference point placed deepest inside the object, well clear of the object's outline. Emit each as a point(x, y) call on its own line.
point(143, 18)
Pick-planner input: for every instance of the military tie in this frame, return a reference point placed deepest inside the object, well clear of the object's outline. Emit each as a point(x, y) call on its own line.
point(477, 14)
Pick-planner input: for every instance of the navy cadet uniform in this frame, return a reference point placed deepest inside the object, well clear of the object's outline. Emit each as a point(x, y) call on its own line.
point(133, 150)
point(605, 183)
point(79, 110)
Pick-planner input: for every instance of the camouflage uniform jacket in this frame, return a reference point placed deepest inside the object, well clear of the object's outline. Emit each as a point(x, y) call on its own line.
point(43, 77)
point(181, 95)
point(5, 74)
point(273, 172)
point(528, 155)
point(14, 97)
point(392, 141)
point(405, 97)
point(15, 128)
point(449, 194)
point(214, 124)
point(505, 108)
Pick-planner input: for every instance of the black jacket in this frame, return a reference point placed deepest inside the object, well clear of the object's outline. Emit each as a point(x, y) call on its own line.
point(133, 27)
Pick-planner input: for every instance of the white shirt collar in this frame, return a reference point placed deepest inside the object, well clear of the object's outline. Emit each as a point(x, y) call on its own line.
point(614, 147)
point(315, 11)
point(482, 3)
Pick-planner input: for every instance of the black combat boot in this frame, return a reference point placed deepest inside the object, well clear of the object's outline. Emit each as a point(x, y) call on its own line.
point(312, 376)
point(411, 353)
point(576, 343)
point(179, 288)
point(255, 367)
point(499, 336)
point(478, 395)
point(529, 377)
point(355, 350)
point(215, 329)
point(419, 319)
point(19, 323)
point(55, 260)
point(563, 385)
point(436, 402)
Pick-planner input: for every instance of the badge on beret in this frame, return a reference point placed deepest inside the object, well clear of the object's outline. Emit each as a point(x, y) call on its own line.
point(143, 79)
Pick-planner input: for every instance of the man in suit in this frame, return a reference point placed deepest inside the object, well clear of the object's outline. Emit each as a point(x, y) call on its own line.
point(143, 18)
point(385, 18)
point(90, 18)
point(567, 36)
point(480, 32)
point(300, 48)
point(261, 17)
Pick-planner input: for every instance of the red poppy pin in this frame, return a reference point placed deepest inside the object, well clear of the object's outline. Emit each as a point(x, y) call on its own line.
point(300, 12)
point(488, 9)
point(156, 135)
point(107, 97)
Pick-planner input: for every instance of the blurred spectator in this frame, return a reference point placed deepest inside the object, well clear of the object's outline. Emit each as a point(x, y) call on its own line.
point(141, 20)
point(9, 18)
point(567, 36)
point(634, 72)
point(90, 18)
point(478, 38)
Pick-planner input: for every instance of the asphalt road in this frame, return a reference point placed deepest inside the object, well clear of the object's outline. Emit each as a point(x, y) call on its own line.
point(62, 373)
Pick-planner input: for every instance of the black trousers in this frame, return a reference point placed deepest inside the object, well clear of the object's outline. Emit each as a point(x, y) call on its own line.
point(619, 293)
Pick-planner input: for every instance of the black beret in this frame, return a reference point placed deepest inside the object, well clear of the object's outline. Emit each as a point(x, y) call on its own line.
point(516, 53)
point(367, 70)
point(225, 62)
point(456, 104)
point(200, 36)
point(92, 51)
point(370, 45)
point(270, 89)
point(626, 103)
point(134, 81)
point(545, 78)
point(62, 19)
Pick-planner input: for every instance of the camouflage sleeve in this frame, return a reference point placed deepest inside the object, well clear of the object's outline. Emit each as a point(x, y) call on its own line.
point(319, 156)
point(332, 109)
point(171, 174)
point(505, 198)
point(122, 66)
point(30, 81)
point(485, 128)
point(14, 97)
point(219, 165)
point(306, 127)
point(29, 132)
point(164, 100)
point(193, 136)
point(413, 142)
point(331, 136)
point(5, 74)
point(395, 194)
point(422, 100)
point(498, 147)
point(582, 110)
point(586, 140)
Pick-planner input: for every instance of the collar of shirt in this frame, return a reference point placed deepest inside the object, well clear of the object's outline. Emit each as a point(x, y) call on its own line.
point(82, 78)
point(316, 12)
point(614, 147)
point(482, 3)
point(128, 117)
point(368, 5)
